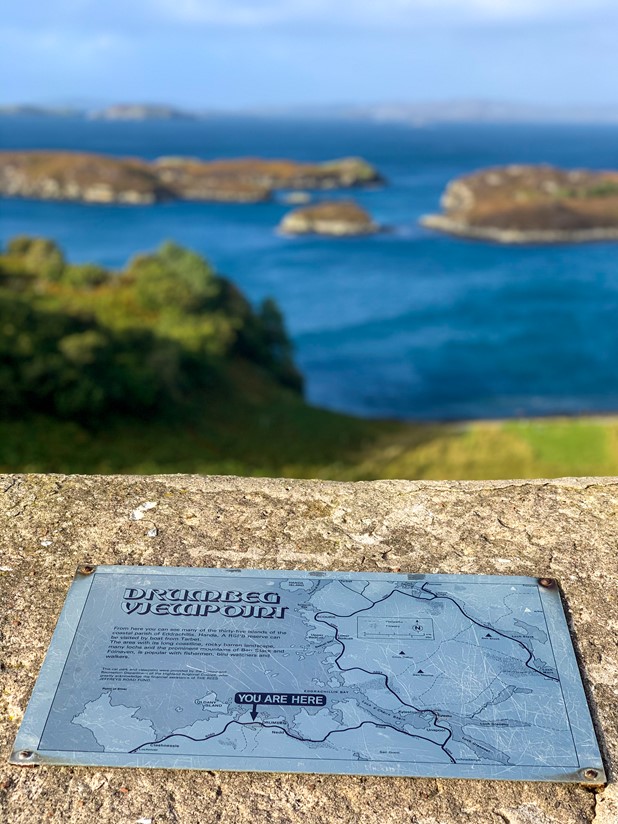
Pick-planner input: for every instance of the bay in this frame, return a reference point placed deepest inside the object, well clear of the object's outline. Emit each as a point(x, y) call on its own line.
point(407, 324)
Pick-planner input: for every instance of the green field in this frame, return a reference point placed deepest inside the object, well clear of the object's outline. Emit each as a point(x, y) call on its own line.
point(287, 438)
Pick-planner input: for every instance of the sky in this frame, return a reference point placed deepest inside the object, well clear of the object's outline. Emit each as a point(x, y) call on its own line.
point(236, 54)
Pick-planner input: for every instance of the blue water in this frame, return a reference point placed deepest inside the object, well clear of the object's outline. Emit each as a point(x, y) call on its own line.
point(408, 324)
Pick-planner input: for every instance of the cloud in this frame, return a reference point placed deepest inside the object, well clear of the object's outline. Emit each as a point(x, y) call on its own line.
point(50, 46)
point(129, 15)
point(245, 52)
point(381, 13)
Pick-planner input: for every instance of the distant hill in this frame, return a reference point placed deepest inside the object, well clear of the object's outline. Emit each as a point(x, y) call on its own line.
point(141, 111)
point(39, 111)
point(449, 111)
point(413, 113)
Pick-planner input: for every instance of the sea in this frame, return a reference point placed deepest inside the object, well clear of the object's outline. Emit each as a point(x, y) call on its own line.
point(408, 324)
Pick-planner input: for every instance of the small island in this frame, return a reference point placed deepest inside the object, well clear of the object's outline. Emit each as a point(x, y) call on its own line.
point(338, 218)
point(530, 204)
point(94, 178)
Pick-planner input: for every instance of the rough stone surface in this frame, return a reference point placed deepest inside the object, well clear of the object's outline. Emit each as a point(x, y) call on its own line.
point(565, 528)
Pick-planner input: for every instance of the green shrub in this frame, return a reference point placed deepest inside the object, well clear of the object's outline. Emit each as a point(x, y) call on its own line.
point(38, 256)
point(144, 341)
point(173, 279)
point(84, 275)
point(605, 189)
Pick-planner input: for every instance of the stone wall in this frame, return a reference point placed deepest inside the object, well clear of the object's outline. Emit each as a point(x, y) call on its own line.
point(567, 529)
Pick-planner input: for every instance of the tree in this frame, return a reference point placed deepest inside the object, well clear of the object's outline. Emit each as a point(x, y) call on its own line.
point(278, 343)
point(38, 256)
point(173, 279)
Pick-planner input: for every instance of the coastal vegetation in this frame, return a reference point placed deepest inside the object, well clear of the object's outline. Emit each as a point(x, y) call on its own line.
point(166, 367)
point(530, 204)
point(80, 343)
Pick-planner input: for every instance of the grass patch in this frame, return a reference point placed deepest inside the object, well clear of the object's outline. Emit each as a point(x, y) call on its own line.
point(287, 438)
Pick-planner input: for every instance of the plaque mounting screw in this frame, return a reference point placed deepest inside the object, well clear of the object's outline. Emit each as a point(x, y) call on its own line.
point(548, 583)
point(25, 755)
point(591, 774)
point(86, 569)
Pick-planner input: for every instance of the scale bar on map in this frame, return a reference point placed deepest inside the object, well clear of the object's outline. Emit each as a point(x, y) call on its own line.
point(407, 628)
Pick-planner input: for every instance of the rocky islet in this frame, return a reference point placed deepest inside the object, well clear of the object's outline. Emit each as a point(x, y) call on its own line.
point(337, 218)
point(514, 204)
point(94, 178)
point(521, 204)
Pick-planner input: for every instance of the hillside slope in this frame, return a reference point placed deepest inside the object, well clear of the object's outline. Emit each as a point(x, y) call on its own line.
point(166, 367)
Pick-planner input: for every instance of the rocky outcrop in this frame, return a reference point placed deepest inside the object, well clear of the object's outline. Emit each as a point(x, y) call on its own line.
point(296, 198)
point(104, 179)
point(191, 179)
point(530, 204)
point(338, 217)
point(78, 176)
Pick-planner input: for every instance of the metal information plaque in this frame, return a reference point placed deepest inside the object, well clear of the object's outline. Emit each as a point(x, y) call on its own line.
point(463, 676)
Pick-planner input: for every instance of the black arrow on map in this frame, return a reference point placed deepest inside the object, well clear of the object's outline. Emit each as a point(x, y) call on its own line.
point(253, 712)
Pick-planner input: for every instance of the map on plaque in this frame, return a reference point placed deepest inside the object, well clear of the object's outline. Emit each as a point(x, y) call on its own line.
point(327, 672)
